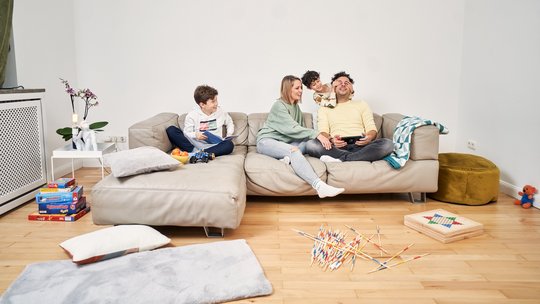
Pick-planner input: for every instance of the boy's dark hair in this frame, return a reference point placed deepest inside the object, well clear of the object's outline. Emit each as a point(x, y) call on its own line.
point(203, 93)
point(309, 77)
point(342, 74)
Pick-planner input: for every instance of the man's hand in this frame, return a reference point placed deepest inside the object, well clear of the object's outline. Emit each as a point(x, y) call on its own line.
point(363, 141)
point(367, 139)
point(338, 143)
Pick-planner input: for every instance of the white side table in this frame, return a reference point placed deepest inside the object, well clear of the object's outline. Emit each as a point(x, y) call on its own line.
point(67, 151)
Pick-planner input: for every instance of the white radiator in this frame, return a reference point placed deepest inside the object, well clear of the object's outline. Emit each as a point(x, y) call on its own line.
point(22, 150)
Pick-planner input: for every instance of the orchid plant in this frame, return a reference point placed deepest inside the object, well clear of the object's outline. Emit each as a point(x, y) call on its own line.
point(90, 100)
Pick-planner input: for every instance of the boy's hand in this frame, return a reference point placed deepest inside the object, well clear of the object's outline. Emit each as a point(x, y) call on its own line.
point(201, 136)
point(334, 86)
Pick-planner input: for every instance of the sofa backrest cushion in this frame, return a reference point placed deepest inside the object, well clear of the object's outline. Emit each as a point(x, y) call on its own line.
point(256, 122)
point(424, 142)
point(240, 126)
point(378, 123)
point(151, 132)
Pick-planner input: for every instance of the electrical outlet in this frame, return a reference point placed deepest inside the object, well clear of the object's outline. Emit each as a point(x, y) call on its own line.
point(115, 139)
point(471, 144)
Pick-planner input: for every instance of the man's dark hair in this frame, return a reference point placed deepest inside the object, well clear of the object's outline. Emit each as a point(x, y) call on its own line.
point(342, 74)
point(203, 93)
point(309, 77)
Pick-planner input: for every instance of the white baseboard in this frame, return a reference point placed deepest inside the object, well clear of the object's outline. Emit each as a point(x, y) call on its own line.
point(513, 190)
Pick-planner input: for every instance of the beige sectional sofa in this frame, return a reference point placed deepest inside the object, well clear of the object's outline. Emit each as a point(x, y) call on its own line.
point(214, 194)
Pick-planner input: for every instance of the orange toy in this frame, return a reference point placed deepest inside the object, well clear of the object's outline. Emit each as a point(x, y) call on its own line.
point(527, 196)
point(178, 152)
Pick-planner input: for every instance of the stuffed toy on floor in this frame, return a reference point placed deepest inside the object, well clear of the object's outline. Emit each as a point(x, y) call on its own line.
point(527, 197)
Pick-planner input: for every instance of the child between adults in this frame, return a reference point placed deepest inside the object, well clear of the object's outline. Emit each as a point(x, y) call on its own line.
point(324, 94)
point(284, 136)
point(208, 116)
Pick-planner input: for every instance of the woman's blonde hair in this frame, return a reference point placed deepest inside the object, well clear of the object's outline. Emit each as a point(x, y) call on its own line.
point(286, 86)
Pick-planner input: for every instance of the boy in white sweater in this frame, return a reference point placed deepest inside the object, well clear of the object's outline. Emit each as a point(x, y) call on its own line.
point(206, 118)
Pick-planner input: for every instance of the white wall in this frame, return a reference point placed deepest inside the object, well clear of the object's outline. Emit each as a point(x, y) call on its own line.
point(450, 61)
point(500, 86)
point(45, 50)
point(144, 57)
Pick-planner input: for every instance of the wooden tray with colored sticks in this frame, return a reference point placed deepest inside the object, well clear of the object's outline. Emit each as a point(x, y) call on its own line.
point(331, 250)
point(443, 226)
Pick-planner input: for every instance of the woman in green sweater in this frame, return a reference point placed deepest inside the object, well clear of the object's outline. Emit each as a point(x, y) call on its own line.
point(284, 136)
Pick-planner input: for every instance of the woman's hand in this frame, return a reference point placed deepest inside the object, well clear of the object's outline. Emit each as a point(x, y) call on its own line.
point(324, 141)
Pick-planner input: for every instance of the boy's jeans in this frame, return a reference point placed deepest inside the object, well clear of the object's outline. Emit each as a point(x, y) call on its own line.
point(177, 138)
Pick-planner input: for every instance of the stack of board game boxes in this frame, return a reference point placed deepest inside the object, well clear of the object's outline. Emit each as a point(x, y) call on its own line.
point(62, 200)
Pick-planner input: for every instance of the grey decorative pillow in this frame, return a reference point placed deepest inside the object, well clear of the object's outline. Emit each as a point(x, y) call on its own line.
point(139, 160)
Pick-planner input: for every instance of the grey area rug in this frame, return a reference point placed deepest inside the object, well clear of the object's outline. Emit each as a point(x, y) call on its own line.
point(206, 273)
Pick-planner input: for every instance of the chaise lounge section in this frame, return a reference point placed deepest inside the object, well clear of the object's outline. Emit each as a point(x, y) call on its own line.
point(213, 195)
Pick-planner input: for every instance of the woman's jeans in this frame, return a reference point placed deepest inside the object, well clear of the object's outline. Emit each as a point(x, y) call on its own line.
point(278, 149)
point(177, 138)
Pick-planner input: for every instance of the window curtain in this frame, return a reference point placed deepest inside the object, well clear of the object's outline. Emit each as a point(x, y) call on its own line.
point(6, 15)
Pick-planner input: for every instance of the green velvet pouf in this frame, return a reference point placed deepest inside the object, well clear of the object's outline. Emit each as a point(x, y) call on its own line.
point(466, 179)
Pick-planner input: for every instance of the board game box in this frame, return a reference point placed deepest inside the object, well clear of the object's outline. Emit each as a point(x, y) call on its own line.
point(60, 197)
point(65, 208)
point(443, 226)
point(35, 216)
point(47, 190)
point(62, 182)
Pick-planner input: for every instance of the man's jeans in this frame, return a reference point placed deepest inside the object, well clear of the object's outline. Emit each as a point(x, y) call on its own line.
point(376, 150)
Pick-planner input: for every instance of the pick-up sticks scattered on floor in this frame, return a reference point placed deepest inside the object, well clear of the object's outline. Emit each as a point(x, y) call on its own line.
point(330, 249)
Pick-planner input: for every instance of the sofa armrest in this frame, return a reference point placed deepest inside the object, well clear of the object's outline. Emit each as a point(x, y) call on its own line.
point(425, 140)
point(152, 132)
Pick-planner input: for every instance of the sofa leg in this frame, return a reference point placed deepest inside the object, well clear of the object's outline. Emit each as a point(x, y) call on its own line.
point(422, 199)
point(214, 232)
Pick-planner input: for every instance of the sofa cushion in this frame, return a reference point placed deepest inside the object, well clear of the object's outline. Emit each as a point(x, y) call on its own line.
point(269, 176)
point(139, 160)
point(151, 132)
point(380, 177)
point(424, 142)
point(378, 123)
point(209, 194)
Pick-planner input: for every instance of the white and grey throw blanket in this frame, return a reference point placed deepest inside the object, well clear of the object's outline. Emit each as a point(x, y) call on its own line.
point(204, 273)
point(403, 136)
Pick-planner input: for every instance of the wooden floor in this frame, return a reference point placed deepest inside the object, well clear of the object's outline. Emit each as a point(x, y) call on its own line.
point(500, 266)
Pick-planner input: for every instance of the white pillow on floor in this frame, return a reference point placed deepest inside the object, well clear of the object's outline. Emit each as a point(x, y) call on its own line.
point(113, 242)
